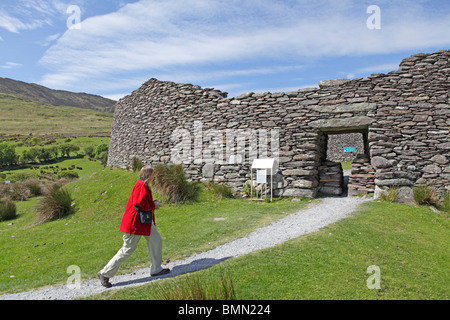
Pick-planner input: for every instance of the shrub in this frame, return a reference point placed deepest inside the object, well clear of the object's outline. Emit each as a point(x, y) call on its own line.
point(8, 210)
point(22, 176)
point(90, 151)
point(56, 204)
point(100, 149)
point(68, 175)
point(34, 186)
point(220, 190)
point(137, 164)
point(170, 181)
point(425, 195)
point(19, 192)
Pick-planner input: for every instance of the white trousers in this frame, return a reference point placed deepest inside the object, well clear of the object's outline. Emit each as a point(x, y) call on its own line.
point(130, 243)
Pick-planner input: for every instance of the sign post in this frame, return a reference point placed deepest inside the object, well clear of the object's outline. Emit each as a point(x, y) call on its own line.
point(263, 167)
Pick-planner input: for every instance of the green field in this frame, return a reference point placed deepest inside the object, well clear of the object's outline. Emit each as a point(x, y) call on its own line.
point(19, 116)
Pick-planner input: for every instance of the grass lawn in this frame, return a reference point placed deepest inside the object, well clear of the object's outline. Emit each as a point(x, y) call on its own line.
point(35, 256)
point(409, 244)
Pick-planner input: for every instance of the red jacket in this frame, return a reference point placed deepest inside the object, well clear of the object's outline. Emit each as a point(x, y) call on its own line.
point(141, 197)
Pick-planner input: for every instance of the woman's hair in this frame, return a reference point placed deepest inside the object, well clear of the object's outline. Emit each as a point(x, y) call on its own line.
point(146, 173)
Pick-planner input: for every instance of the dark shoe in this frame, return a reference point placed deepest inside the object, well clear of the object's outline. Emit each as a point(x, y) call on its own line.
point(162, 272)
point(104, 281)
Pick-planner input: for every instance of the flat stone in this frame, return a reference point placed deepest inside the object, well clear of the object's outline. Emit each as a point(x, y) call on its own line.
point(432, 168)
point(344, 108)
point(306, 193)
point(342, 124)
point(332, 83)
point(381, 163)
point(299, 172)
point(440, 159)
point(208, 171)
point(393, 182)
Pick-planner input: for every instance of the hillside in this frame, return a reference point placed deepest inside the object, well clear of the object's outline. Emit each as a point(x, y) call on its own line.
point(55, 97)
point(24, 116)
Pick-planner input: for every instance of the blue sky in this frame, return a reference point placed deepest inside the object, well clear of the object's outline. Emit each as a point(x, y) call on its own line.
point(236, 46)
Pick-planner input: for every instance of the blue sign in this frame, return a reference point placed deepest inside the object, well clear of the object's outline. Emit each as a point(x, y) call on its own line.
point(349, 149)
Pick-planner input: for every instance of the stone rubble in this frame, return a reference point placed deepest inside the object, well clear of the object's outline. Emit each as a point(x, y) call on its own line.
point(362, 177)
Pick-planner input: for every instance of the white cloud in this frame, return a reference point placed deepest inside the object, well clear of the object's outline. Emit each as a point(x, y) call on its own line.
point(11, 24)
point(10, 65)
point(155, 35)
point(19, 15)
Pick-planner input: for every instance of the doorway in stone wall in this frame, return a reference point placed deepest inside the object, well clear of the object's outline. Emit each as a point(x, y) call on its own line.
point(344, 168)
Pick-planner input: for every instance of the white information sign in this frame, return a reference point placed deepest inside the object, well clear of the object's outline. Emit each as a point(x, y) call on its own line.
point(264, 168)
point(261, 176)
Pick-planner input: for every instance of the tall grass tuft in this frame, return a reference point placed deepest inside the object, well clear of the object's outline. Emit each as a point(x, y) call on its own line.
point(220, 190)
point(8, 210)
point(446, 202)
point(390, 195)
point(170, 182)
point(56, 204)
point(425, 195)
point(191, 287)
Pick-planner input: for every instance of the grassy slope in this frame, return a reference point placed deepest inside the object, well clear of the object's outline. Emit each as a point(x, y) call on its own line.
point(39, 255)
point(410, 245)
point(23, 116)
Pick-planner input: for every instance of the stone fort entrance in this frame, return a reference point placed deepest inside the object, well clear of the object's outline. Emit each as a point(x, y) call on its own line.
point(403, 117)
point(334, 180)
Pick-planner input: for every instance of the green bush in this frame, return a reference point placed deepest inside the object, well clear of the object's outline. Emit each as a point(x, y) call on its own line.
point(34, 186)
point(103, 158)
point(425, 195)
point(69, 174)
point(100, 149)
point(220, 190)
point(170, 181)
point(22, 176)
point(8, 210)
point(90, 151)
point(57, 204)
point(137, 164)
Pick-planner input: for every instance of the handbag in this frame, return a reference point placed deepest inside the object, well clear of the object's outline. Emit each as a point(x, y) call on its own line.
point(146, 217)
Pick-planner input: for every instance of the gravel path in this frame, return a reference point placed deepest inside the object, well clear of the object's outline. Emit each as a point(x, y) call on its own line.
point(306, 221)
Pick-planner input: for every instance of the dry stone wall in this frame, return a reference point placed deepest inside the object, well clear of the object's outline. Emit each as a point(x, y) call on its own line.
point(403, 117)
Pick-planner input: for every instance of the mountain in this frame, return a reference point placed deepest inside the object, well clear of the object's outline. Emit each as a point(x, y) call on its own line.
point(55, 97)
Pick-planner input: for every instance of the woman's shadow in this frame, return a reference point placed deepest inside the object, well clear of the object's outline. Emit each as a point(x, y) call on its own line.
point(177, 270)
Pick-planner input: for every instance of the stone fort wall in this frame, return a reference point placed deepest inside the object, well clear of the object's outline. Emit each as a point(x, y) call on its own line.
point(403, 118)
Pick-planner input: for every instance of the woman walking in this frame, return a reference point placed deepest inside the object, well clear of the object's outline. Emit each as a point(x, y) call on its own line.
point(141, 200)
